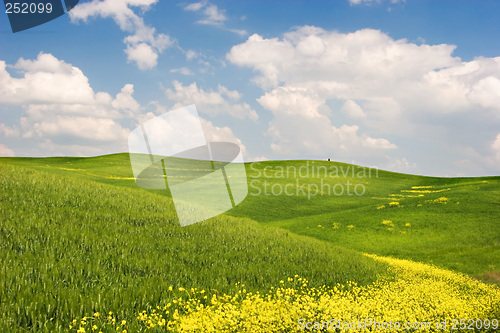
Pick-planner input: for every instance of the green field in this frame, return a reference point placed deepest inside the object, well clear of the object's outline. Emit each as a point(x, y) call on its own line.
point(461, 233)
point(77, 236)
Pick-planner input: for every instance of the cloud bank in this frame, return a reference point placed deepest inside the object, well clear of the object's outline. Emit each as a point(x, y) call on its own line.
point(143, 45)
point(390, 88)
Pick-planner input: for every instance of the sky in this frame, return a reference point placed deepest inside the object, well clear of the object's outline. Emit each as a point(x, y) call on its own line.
point(409, 86)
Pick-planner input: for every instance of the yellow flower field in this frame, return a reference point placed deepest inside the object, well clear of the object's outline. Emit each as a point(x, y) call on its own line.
point(417, 296)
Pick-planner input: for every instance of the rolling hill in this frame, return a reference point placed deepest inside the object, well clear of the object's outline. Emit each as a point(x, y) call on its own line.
point(78, 237)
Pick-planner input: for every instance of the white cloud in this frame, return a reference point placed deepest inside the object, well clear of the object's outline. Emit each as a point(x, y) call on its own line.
point(80, 127)
point(190, 54)
point(143, 55)
point(6, 152)
point(352, 65)
point(262, 55)
point(486, 92)
point(48, 84)
point(45, 79)
point(144, 45)
point(373, 143)
point(220, 134)
point(400, 165)
point(258, 159)
point(62, 110)
point(352, 109)
point(299, 128)
point(369, 2)
point(45, 63)
point(390, 87)
point(357, 2)
point(231, 94)
point(241, 32)
point(182, 70)
point(124, 99)
point(9, 131)
point(496, 147)
point(195, 6)
point(212, 15)
point(210, 102)
point(84, 149)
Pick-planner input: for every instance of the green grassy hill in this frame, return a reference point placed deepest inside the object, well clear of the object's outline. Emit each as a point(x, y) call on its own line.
point(460, 231)
point(77, 237)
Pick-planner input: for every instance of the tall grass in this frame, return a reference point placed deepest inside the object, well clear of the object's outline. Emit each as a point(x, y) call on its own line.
point(70, 247)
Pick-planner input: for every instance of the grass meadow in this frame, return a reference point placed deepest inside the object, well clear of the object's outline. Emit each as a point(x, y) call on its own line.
point(84, 249)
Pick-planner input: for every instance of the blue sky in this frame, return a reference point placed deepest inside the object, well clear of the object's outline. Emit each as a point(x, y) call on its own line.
point(410, 86)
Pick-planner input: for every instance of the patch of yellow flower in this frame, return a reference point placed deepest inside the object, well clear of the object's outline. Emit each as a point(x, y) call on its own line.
point(426, 191)
point(388, 223)
point(417, 292)
point(98, 322)
point(412, 292)
point(394, 204)
point(442, 200)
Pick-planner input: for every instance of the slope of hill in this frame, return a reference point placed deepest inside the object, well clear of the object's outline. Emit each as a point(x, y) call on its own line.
point(461, 232)
point(77, 237)
point(453, 223)
point(71, 246)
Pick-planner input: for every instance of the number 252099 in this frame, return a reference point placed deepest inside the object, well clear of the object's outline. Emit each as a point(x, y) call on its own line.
point(28, 8)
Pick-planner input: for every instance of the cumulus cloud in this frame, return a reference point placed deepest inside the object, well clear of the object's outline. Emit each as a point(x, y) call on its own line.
point(357, 2)
point(144, 45)
point(352, 109)
point(9, 131)
point(212, 15)
point(5, 151)
point(74, 127)
point(391, 87)
point(124, 99)
point(369, 2)
point(496, 147)
point(343, 63)
point(65, 116)
point(61, 108)
point(143, 55)
point(47, 82)
point(190, 54)
point(171, 132)
point(210, 102)
point(258, 159)
point(486, 92)
point(182, 70)
point(221, 134)
point(196, 6)
point(300, 128)
point(45, 79)
point(401, 165)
